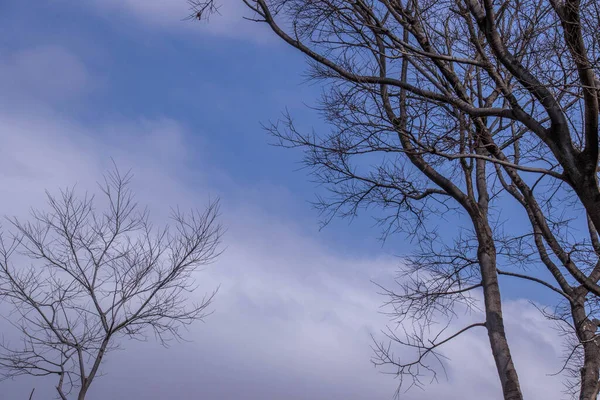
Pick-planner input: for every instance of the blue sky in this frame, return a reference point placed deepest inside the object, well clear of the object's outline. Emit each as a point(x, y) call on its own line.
point(181, 104)
point(220, 87)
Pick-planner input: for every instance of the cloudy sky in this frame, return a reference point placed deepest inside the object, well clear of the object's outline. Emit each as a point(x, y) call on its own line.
point(180, 103)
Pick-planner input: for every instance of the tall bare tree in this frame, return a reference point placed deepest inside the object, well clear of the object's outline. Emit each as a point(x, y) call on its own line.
point(81, 279)
point(462, 110)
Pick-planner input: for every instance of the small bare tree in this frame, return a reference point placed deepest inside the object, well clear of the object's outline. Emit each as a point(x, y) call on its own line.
point(461, 111)
point(80, 279)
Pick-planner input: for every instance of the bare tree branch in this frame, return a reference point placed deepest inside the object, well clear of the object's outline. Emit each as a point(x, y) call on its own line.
point(98, 276)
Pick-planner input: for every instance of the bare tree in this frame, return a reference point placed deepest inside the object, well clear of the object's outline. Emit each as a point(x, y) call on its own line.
point(80, 279)
point(461, 111)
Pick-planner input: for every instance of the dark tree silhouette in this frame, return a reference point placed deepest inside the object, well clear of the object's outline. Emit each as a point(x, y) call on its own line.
point(461, 111)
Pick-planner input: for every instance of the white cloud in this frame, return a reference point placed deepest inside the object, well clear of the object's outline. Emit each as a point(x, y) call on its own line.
point(289, 309)
point(48, 73)
point(293, 316)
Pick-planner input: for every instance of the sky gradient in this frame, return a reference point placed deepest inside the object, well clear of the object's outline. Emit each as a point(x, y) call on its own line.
point(181, 104)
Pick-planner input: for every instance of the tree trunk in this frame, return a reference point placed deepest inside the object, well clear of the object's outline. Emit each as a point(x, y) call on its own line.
point(486, 255)
point(586, 333)
point(588, 193)
point(82, 393)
